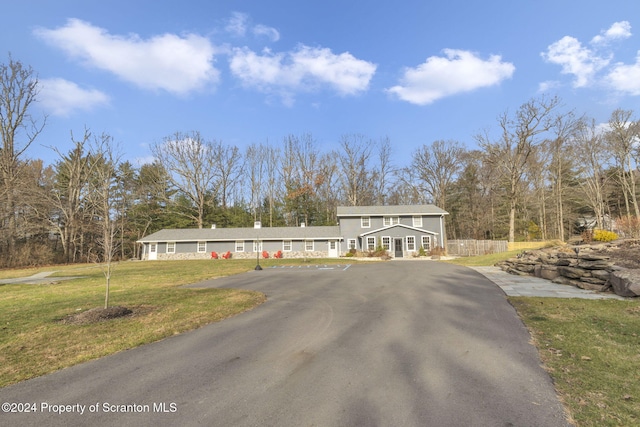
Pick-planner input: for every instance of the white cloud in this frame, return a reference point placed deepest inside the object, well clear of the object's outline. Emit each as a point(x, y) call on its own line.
point(548, 86)
point(575, 59)
point(304, 69)
point(619, 30)
point(269, 32)
point(237, 24)
point(585, 62)
point(61, 97)
point(240, 23)
point(457, 72)
point(176, 64)
point(626, 78)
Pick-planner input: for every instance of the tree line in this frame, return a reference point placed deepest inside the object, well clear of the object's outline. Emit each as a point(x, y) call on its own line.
point(545, 173)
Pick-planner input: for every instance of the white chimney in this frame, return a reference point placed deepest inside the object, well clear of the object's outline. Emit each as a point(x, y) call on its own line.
point(302, 225)
point(257, 224)
point(213, 226)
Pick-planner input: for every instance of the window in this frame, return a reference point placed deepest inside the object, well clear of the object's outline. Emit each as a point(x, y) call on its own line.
point(171, 247)
point(390, 220)
point(202, 246)
point(239, 245)
point(365, 222)
point(426, 243)
point(152, 248)
point(286, 245)
point(371, 243)
point(257, 246)
point(386, 243)
point(417, 221)
point(411, 243)
point(351, 244)
point(308, 245)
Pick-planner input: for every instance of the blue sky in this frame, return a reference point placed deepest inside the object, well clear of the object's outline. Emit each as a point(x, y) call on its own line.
point(246, 72)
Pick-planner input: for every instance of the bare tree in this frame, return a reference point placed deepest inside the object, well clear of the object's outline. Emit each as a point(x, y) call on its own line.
point(383, 171)
point(255, 163)
point(103, 198)
point(301, 178)
point(190, 160)
point(536, 172)
point(228, 167)
point(593, 180)
point(519, 135)
point(436, 167)
point(18, 130)
point(355, 175)
point(623, 134)
point(328, 188)
point(67, 197)
point(564, 129)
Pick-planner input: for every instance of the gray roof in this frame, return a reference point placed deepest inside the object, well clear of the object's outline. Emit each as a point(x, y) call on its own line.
point(390, 210)
point(247, 233)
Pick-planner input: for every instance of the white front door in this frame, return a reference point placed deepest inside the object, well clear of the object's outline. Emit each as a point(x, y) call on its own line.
point(153, 251)
point(333, 249)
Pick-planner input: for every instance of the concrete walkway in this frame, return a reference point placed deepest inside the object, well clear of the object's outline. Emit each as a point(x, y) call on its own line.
point(530, 286)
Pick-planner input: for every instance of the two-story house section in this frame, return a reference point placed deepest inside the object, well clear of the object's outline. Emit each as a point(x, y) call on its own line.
point(401, 230)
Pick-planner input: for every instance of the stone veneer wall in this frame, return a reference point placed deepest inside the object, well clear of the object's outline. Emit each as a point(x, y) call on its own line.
point(240, 255)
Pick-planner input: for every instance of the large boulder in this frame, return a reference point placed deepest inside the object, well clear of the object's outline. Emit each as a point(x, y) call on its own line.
point(549, 272)
point(593, 264)
point(626, 282)
point(572, 272)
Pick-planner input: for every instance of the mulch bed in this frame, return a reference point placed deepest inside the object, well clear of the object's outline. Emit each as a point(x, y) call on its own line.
point(99, 314)
point(624, 254)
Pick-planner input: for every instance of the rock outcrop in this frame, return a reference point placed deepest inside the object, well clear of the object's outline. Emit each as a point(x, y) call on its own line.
point(583, 266)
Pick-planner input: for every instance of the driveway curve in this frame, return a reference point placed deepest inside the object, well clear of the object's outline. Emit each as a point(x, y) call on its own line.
point(381, 344)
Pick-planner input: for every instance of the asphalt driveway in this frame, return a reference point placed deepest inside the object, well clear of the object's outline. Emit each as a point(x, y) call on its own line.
point(383, 344)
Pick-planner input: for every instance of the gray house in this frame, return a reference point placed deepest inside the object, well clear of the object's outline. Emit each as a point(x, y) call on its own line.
point(401, 230)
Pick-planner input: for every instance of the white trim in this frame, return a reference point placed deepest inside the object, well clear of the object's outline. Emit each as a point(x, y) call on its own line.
point(332, 248)
point(239, 245)
point(362, 222)
point(204, 248)
point(389, 240)
point(306, 248)
point(171, 247)
point(257, 246)
point(409, 248)
point(355, 244)
point(367, 243)
point(284, 246)
point(428, 246)
point(416, 220)
point(153, 251)
point(389, 220)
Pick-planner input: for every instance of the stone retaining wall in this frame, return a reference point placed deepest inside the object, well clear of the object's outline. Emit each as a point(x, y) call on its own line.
point(576, 266)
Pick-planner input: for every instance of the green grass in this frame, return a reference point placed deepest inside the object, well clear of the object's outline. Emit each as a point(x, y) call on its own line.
point(484, 260)
point(33, 340)
point(592, 351)
point(590, 348)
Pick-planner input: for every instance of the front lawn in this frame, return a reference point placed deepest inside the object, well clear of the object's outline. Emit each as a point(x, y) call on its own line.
point(34, 340)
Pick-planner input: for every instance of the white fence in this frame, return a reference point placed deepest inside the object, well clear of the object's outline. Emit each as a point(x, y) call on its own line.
point(476, 247)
